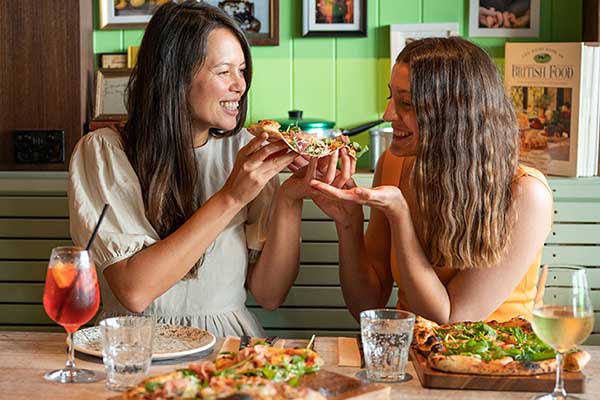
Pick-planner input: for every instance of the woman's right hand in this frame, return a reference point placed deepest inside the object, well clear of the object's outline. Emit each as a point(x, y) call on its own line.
point(254, 166)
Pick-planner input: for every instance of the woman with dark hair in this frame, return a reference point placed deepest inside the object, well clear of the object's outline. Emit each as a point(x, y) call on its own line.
point(455, 221)
point(196, 213)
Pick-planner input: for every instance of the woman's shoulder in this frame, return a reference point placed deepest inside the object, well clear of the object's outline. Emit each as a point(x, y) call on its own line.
point(530, 177)
point(531, 187)
point(102, 138)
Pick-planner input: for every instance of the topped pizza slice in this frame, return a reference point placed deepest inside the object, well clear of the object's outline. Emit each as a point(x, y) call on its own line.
point(305, 143)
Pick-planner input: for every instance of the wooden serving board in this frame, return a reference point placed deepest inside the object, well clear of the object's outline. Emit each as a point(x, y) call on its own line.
point(337, 387)
point(431, 378)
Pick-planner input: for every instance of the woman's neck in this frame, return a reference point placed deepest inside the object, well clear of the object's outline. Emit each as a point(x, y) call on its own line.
point(200, 138)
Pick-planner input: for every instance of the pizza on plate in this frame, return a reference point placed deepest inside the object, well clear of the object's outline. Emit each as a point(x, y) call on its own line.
point(306, 143)
point(489, 348)
point(257, 372)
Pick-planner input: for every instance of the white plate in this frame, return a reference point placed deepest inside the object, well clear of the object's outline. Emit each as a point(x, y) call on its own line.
point(170, 341)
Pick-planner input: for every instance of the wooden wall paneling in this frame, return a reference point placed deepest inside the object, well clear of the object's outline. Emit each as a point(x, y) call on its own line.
point(45, 82)
point(591, 20)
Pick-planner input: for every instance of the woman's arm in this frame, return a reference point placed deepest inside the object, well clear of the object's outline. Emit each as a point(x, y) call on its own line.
point(471, 294)
point(365, 273)
point(138, 280)
point(271, 277)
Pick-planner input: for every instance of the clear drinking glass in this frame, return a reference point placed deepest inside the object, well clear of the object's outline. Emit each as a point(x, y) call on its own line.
point(126, 350)
point(71, 298)
point(386, 336)
point(563, 316)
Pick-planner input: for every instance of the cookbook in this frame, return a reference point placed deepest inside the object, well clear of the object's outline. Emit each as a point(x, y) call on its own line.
point(555, 89)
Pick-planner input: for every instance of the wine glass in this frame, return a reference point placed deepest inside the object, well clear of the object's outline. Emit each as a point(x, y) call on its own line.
point(71, 298)
point(563, 316)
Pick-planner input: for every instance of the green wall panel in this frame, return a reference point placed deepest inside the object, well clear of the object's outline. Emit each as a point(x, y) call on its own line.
point(315, 77)
point(345, 79)
point(400, 12)
point(563, 15)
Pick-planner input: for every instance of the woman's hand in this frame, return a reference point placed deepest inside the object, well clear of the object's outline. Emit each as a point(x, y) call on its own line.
point(388, 199)
point(254, 166)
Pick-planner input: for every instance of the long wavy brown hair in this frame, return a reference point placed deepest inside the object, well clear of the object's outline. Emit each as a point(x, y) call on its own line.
point(467, 154)
point(158, 136)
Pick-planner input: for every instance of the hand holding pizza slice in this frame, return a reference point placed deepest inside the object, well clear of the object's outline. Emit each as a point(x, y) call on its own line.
point(307, 144)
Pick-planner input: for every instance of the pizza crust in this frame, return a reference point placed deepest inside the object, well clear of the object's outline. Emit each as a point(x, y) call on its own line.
point(472, 365)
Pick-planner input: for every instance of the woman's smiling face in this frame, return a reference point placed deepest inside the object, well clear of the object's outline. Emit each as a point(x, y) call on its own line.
point(400, 112)
point(219, 84)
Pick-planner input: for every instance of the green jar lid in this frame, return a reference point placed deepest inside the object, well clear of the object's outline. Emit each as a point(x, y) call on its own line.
point(306, 124)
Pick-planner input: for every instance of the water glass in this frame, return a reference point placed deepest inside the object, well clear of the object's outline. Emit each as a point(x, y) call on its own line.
point(126, 350)
point(386, 337)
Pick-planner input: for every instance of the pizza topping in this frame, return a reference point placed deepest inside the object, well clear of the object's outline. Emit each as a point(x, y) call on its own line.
point(494, 348)
point(306, 143)
point(260, 371)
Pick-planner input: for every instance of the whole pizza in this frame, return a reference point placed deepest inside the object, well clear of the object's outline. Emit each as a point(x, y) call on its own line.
point(305, 143)
point(489, 348)
point(257, 372)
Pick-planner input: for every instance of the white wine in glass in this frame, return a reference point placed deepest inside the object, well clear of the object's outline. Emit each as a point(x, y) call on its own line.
point(563, 316)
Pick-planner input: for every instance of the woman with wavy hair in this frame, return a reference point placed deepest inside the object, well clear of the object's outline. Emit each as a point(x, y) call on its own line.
point(197, 215)
point(455, 221)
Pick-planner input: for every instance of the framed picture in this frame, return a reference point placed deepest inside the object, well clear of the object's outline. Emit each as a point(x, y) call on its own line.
point(402, 34)
point(334, 17)
point(126, 14)
point(259, 19)
point(504, 18)
point(111, 85)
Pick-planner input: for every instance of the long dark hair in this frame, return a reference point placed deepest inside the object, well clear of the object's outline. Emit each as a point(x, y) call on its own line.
point(467, 154)
point(158, 136)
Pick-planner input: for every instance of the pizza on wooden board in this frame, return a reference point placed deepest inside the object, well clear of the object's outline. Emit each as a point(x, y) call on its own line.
point(306, 143)
point(489, 348)
point(257, 372)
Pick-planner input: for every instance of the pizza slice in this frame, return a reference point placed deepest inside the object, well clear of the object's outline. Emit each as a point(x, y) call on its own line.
point(489, 348)
point(306, 143)
point(259, 372)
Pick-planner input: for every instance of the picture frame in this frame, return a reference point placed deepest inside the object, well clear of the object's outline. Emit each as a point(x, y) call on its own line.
point(332, 18)
point(122, 14)
point(402, 34)
point(259, 19)
point(110, 91)
point(504, 18)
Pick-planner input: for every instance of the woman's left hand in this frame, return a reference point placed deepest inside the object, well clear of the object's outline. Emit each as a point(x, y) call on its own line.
point(297, 186)
point(388, 199)
point(324, 169)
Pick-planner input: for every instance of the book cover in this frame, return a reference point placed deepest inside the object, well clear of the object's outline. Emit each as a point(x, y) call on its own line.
point(544, 83)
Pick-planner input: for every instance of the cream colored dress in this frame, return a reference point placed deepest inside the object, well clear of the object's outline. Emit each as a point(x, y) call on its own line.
point(213, 300)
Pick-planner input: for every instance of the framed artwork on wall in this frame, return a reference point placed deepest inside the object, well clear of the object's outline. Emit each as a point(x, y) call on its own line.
point(259, 19)
point(110, 102)
point(126, 14)
point(334, 17)
point(504, 18)
point(402, 34)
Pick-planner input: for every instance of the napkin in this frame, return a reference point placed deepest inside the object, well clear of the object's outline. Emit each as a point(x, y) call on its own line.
point(348, 352)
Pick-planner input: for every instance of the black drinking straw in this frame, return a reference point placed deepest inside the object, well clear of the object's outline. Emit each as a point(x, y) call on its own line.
point(87, 248)
point(89, 245)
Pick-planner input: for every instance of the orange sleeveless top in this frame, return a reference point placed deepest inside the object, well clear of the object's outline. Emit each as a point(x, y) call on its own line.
point(520, 301)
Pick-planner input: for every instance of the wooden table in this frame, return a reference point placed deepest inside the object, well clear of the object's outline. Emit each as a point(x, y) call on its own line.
point(26, 356)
